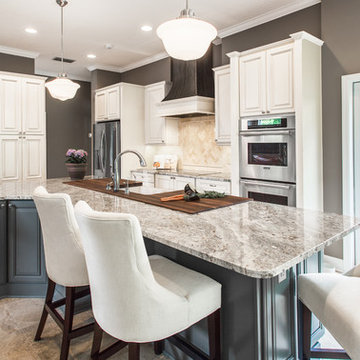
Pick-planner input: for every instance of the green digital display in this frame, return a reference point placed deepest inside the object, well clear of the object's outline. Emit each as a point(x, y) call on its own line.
point(269, 122)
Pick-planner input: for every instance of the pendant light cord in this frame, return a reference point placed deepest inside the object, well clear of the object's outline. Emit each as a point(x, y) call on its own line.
point(62, 39)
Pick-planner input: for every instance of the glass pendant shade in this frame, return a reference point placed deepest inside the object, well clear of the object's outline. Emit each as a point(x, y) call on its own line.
point(62, 88)
point(186, 38)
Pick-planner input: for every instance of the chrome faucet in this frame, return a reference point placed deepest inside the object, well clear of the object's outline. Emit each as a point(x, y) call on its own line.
point(117, 172)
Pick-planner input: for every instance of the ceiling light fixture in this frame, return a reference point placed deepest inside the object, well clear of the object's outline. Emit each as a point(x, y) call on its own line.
point(91, 56)
point(62, 88)
point(146, 28)
point(31, 31)
point(186, 37)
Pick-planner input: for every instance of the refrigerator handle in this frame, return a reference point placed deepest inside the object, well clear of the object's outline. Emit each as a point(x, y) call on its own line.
point(102, 152)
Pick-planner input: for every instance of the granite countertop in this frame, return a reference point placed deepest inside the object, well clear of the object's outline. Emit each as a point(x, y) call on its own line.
point(256, 239)
point(206, 175)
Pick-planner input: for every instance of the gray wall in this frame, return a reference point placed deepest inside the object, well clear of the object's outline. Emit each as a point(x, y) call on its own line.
point(68, 124)
point(307, 19)
point(17, 64)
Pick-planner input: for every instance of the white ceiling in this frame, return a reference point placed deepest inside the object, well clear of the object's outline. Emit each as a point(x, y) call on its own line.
point(90, 24)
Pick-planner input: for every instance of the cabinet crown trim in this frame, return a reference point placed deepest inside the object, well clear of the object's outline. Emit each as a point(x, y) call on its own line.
point(222, 67)
point(24, 76)
point(303, 35)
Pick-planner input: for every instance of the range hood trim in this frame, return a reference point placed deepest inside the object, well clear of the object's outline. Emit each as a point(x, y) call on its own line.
point(197, 105)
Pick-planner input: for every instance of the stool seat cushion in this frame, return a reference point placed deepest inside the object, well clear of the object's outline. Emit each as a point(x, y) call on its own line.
point(202, 293)
point(335, 300)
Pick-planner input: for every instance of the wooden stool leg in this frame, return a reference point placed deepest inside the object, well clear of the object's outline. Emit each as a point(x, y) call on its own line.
point(98, 334)
point(48, 299)
point(306, 333)
point(159, 347)
point(68, 322)
point(214, 335)
point(134, 351)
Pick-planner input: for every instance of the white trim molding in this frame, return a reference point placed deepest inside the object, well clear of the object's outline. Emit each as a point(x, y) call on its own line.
point(350, 251)
point(145, 61)
point(104, 67)
point(303, 35)
point(18, 52)
point(54, 74)
point(269, 16)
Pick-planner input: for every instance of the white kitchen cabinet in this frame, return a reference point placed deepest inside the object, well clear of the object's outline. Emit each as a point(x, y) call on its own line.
point(145, 178)
point(22, 127)
point(33, 106)
point(33, 159)
point(158, 130)
point(267, 82)
point(10, 158)
point(213, 185)
point(10, 98)
point(107, 104)
point(253, 84)
point(222, 105)
point(172, 182)
point(280, 79)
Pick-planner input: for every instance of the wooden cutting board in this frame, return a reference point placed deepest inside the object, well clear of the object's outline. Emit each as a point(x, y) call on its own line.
point(100, 184)
point(189, 207)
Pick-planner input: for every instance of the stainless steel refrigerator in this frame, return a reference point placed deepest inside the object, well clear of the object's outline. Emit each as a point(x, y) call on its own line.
point(106, 147)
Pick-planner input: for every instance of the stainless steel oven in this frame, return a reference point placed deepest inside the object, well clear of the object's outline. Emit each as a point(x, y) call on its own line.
point(268, 148)
point(266, 191)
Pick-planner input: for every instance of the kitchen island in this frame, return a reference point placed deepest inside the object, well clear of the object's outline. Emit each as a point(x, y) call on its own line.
point(255, 250)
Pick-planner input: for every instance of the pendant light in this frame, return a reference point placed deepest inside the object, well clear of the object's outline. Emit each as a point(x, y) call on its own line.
point(186, 37)
point(62, 88)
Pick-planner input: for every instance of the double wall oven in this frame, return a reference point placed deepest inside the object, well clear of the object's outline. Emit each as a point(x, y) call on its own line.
point(267, 161)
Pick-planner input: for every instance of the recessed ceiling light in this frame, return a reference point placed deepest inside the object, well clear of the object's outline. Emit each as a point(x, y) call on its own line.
point(91, 56)
point(31, 30)
point(146, 28)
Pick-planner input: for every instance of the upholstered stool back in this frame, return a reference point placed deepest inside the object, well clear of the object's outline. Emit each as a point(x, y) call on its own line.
point(64, 255)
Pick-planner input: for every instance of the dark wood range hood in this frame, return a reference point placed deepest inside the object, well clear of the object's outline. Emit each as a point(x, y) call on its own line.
point(192, 90)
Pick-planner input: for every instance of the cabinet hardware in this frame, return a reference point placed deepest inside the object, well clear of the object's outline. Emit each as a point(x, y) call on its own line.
point(212, 185)
point(2, 205)
point(268, 111)
point(11, 206)
point(216, 140)
point(263, 112)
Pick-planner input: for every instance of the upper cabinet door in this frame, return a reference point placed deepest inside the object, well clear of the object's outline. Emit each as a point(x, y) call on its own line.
point(33, 106)
point(10, 105)
point(154, 125)
point(113, 103)
point(10, 158)
point(280, 79)
point(34, 157)
point(100, 106)
point(253, 84)
point(222, 106)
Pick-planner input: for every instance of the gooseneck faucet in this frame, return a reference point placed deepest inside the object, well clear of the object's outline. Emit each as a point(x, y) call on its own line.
point(117, 170)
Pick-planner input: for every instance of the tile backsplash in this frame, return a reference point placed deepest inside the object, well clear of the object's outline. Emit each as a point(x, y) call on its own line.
point(197, 148)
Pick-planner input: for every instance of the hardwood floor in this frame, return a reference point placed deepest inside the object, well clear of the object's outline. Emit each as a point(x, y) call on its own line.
point(18, 322)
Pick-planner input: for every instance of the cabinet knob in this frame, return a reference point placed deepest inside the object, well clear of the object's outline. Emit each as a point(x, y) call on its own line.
point(2, 205)
point(268, 111)
point(263, 112)
point(11, 206)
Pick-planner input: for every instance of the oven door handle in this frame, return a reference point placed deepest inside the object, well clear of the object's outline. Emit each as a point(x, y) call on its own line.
point(270, 185)
point(260, 133)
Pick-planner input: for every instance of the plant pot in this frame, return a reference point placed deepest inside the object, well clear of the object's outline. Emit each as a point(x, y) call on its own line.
point(76, 171)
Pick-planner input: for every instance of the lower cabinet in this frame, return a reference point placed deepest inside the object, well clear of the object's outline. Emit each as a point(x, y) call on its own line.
point(23, 266)
point(213, 185)
point(3, 243)
point(169, 182)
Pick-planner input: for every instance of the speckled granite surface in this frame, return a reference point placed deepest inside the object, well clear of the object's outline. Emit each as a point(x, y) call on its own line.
point(218, 176)
point(255, 239)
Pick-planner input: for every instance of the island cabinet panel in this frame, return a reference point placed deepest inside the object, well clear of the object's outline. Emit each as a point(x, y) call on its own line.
point(25, 251)
point(3, 245)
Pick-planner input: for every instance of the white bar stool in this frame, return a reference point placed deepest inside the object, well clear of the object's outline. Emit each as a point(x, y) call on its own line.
point(141, 299)
point(334, 299)
point(65, 263)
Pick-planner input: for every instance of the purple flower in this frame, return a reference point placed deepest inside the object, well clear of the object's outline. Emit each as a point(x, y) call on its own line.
point(70, 152)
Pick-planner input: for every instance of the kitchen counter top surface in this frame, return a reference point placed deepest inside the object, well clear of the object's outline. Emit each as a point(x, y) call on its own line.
point(218, 176)
point(256, 239)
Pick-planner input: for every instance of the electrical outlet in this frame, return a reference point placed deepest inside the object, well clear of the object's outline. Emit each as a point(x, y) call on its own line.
point(282, 276)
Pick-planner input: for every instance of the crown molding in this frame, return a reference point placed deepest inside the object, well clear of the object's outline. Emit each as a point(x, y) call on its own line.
point(18, 52)
point(54, 74)
point(269, 16)
point(104, 67)
point(303, 35)
point(146, 61)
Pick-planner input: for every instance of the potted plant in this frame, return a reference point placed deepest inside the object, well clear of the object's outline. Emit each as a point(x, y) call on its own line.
point(76, 163)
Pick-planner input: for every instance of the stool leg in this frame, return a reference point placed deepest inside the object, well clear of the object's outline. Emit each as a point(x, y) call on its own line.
point(306, 332)
point(214, 335)
point(48, 299)
point(68, 322)
point(134, 351)
point(98, 333)
point(159, 347)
